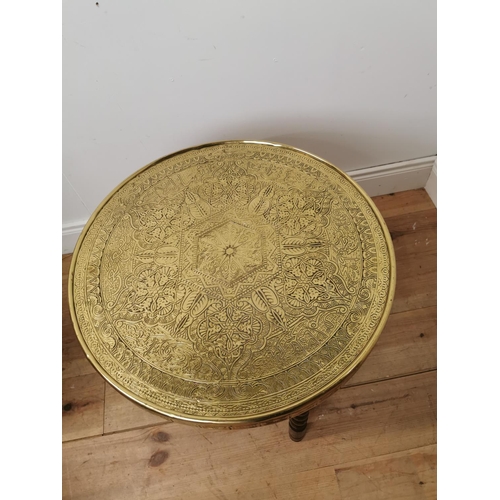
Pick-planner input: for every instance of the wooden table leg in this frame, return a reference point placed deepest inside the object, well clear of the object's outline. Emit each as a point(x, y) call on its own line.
point(297, 426)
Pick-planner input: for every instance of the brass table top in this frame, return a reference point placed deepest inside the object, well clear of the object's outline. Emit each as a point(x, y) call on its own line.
point(232, 284)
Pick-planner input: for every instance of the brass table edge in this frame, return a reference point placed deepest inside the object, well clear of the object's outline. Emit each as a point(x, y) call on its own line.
point(264, 418)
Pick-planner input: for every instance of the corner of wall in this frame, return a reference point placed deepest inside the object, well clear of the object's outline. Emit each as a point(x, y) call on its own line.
point(431, 185)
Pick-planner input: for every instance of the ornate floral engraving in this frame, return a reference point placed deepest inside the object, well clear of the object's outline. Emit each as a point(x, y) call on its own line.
point(229, 251)
point(230, 281)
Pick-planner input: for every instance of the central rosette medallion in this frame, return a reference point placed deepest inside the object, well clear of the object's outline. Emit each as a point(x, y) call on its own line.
point(229, 252)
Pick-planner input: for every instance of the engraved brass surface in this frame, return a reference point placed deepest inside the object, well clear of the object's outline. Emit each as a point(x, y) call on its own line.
point(232, 284)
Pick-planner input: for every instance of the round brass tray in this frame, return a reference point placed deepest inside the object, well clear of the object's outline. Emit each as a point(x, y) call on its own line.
point(232, 284)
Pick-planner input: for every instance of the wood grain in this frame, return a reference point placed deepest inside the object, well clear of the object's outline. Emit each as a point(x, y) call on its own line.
point(66, 262)
point(180, 461)
point(411, 222)
point(82, 406)
point(411, 475)
point(74, 361)
point(406, 346)
point(121, 414)
point(404, 202)
point(416, 283)
point(409, 242)
point(377, 418)
point(414, 238)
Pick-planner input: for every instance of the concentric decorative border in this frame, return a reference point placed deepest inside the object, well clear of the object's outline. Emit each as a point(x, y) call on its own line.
point(264, 409)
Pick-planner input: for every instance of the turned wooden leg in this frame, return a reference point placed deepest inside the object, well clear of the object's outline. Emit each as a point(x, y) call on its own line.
point(297, 426)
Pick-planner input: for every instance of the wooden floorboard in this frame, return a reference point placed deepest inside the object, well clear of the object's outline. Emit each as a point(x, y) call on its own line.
point(121, 414)
point(74, 361)
point(406, 476)
point(414, 237)
point(406, 346)
point(374, 438)
point(66, 261)
point(82, 406)
point(181, 461)
point(416, 284)
point(403, 203)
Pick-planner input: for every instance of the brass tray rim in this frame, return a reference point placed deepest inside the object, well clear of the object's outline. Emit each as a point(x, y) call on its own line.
point(257, 419)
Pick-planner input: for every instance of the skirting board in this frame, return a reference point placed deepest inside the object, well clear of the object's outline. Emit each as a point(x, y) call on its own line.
point(395, 177)
point(383, 179)
point(70, 234)
point(431, 186)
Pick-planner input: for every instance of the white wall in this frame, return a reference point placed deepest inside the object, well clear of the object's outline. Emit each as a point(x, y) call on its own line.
point(352, 81)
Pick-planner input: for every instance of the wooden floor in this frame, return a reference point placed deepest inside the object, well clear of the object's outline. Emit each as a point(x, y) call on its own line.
point(373, 439)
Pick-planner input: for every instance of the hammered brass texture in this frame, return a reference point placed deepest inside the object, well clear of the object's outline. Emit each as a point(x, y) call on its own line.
point(232, 284)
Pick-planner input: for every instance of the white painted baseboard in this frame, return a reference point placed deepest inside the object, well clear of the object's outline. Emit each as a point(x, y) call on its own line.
point(431, 185)
point(383, 179)
point(395, 177)
point(70, 234)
